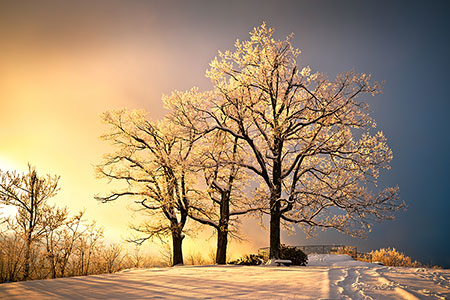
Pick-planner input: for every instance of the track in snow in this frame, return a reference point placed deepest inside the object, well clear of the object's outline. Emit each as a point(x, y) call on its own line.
point(388, 283)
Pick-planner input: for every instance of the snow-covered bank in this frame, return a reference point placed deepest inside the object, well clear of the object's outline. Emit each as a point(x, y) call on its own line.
point(328, 260)
point(327, 277)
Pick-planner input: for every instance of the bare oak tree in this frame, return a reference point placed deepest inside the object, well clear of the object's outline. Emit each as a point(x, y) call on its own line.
point(225, 185)
point(151, 160)
point(307, 139)
point(29, 193)
point(225, 180)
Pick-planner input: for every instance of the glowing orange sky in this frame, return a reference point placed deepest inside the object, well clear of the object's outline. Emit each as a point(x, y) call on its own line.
point(53, 89)
point(50, 118)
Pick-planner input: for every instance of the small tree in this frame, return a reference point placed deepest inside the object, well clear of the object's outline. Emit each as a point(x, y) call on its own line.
point(29, 193)
point(136, 259)
point(53, 220)
point(11, 255)
point(392, 257)
point(86, 250)
point(61, 234)
point(113, 258)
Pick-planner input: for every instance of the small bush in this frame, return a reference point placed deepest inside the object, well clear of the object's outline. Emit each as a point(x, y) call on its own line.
point(390, 257)
point(248, 260)
point(297, 256)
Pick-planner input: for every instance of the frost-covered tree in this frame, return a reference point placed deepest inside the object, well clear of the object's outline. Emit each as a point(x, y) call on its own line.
point(86, 251)
point(113, 258)
point(29, 193)
point(150, 160)
point(53, 220)
point(61, 233)
point(225, 181)
point(307, 138)
point(11, 255)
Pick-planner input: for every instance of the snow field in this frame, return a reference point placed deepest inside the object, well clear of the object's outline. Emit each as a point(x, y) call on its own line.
point(210, 282)
point(325, 277)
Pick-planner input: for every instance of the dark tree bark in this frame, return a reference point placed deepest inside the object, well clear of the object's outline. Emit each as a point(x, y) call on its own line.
point(275, 217)
point(222, 230)
point(275, 195)
point(222, 243)
point(177, 246)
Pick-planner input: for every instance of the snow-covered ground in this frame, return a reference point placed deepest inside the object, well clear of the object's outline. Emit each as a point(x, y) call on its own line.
point(325, 277)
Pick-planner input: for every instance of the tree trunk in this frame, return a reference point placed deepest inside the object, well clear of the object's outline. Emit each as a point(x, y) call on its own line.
point(222, 241)
point(177, 242)
point(82, 262)
point(53, 271)
point(275, 230)
point(63, 270)
point(52, 264)
point(275, 206)
point(222, 231)
point(26, 273)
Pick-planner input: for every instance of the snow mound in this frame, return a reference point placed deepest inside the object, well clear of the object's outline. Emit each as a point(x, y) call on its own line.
point(278, 262)
point(326, 260)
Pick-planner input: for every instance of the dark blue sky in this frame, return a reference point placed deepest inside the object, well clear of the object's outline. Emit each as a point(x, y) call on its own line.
point(407, 45)
point(404, 43)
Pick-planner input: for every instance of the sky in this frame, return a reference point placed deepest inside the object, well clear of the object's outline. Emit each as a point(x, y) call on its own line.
point(63, 63)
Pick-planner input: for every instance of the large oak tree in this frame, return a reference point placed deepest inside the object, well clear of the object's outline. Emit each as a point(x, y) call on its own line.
point(309, 140)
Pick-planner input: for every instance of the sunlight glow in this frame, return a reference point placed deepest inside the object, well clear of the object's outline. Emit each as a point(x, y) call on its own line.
point(6, 165)
point(7, 211)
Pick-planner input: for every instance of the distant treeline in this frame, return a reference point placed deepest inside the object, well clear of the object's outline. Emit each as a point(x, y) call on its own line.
point(44, 241)
point(64, 246)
